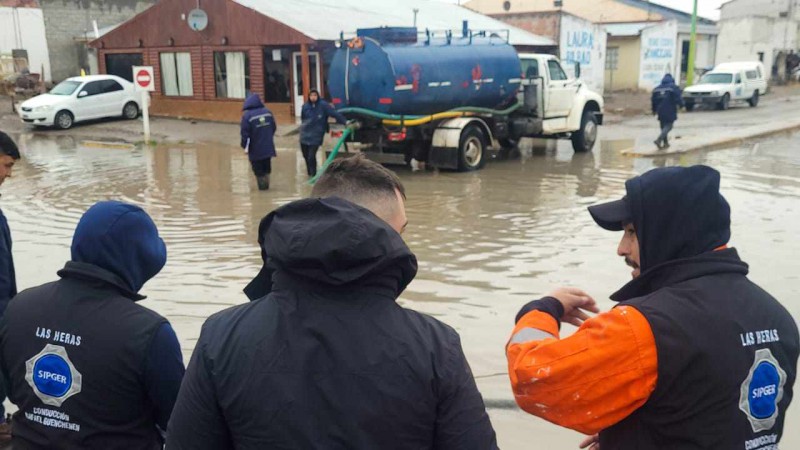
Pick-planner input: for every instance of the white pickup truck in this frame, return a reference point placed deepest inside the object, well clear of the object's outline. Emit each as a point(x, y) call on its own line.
point(726, 83)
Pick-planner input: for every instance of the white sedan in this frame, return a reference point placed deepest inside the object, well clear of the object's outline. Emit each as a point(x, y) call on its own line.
point(82, 98)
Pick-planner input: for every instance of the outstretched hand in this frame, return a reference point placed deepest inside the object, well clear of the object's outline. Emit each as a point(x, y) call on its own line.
point(576, 303)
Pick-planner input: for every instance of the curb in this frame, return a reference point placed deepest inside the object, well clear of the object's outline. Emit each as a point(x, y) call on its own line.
point(719, 143)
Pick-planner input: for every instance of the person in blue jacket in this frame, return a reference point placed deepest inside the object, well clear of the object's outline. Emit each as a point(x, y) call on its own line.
point(258, 138)
point(314, 118)
point(88, 366)
point(9, 154)
point(665, 101)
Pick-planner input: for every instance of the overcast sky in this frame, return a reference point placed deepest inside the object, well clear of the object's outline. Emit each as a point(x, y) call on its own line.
point(705, 8)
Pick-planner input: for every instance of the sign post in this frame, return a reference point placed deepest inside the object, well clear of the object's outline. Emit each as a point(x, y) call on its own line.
point(144, 81)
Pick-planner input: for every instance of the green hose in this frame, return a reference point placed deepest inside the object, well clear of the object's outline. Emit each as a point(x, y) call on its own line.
point(347, 132)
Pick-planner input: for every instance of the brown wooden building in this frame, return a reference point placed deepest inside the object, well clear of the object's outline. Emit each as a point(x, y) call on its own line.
point(279, 49)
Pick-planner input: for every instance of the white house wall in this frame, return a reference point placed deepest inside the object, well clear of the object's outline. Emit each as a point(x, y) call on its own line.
point(29, 29)
point(584, 42)
point(742, 39)
point(659, 54)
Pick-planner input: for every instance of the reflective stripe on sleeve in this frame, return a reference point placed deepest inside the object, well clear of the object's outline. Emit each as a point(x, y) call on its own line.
point(528, 335)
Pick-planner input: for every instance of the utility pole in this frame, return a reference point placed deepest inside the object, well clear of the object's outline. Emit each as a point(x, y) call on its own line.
point(415, 17)
point(692, 45)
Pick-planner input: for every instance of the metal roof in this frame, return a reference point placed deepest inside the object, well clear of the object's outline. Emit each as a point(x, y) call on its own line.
point(626, 29)
point(323, 20)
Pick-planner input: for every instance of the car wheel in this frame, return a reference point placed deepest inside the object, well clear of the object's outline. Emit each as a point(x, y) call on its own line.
point(472, 149)
point(130, 111)
point(689, 107)
point(64, 120)
point(583, 139)
point(754, 99)
point(724, 103)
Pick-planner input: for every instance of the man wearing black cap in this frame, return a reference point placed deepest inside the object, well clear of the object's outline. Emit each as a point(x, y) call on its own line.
point(695, 356)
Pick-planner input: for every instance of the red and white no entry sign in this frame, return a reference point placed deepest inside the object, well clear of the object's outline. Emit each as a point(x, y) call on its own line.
point(143, 78)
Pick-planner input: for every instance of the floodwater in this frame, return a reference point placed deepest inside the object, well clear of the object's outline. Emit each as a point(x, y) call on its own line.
point(487, 242)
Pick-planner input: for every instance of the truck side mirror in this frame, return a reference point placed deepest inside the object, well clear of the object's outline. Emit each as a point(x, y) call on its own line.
point(577, 69)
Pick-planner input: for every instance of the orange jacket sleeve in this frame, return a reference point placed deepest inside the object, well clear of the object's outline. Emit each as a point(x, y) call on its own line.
point(589, 380)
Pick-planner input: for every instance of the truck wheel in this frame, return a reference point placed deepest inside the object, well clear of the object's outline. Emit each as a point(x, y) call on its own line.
point(754, 99)
point(583, 139)
point(724, 103)
point(471, 149)
point(689, 107)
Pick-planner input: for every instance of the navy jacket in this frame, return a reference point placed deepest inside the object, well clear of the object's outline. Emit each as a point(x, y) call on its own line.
point(315, 121)
point(118, 365)
point(8, 278)
point(258, 129)
point(328, 359)
point(666, 100)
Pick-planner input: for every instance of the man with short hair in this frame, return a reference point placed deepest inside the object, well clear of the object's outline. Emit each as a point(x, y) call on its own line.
point(325, 358)
point(87, 366)
point(9, 155)
point(695, 356)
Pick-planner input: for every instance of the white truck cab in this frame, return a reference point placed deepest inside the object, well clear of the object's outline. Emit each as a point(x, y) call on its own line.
point(726, 83)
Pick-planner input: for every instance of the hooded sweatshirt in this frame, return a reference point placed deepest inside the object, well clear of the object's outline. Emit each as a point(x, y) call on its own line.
point(315, 121)
point(85, 364)
point(328, 359)
point(666, 100)
point(695, 356)
point(257, 129)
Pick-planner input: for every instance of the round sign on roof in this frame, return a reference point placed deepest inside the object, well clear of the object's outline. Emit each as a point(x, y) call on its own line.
point(198, 20)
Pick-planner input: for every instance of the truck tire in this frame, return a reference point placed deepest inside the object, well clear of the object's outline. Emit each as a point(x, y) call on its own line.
point(583, 139)
point(472, 149)
point(754, 99)
point(724, 103)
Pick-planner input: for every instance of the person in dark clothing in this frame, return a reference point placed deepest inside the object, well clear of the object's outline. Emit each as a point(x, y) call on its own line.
point(87, 366)
point(665, 101)
point(695, 355)
point(327, 359)
point(258, 138)
point(314, 116)
point(9, 155)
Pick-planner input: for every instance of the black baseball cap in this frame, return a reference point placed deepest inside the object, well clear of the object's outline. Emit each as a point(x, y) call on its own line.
point(612, 216)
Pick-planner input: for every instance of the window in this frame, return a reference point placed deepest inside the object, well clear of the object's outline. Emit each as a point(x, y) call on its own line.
point(121, 64)
point(277, 78)
point(176, 74)
point(752, 74)
point(761, 57)
point(612, 58)
point(110, 86)
point(93, 88)
point(65, 88)
point(232, 74)
point(530, 68)
point(738, 78)
point(556, 72)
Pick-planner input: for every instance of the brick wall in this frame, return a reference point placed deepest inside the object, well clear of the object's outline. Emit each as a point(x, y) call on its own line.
point(66, 20)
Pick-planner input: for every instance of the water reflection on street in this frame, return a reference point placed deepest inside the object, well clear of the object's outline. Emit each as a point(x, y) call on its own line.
point(487, 242)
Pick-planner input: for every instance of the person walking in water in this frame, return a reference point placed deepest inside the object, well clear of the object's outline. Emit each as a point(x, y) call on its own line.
point(314, 118)
point(665, 101)
point(258, 134)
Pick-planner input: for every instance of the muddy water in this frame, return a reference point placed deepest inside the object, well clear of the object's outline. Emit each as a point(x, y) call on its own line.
point(487, 242)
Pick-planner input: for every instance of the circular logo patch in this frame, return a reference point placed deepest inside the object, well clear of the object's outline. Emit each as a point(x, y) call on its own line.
point(52, 376)
point(762, 390)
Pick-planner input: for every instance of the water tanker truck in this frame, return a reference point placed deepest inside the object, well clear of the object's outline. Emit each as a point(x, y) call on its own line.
point(450, 100)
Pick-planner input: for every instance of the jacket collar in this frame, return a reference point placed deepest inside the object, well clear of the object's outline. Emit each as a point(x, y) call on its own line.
point(679, 270)
point(90, 272)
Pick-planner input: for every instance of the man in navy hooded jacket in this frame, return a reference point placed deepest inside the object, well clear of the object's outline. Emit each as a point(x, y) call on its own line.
point(258, 131)
point(314, 116)
point(87, 366)
point(665, 102)
point(694, 356)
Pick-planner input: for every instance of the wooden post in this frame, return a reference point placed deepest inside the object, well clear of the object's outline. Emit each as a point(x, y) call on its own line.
point(306, 71)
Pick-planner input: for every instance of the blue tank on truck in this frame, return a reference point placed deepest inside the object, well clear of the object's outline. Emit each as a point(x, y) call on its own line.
point(390, 70)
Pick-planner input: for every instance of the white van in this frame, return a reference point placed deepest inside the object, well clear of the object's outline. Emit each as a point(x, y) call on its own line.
point(727, 82)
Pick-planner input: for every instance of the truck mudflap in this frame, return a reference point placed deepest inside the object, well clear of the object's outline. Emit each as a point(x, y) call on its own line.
point(443, 158)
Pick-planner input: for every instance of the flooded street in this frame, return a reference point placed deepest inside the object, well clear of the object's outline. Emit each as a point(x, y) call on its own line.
point(487, 242)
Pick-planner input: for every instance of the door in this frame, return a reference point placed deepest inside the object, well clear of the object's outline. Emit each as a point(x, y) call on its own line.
point(112, 98)
point(297, 74)
point(560, 90)
point(739, 91)
point(88, 105)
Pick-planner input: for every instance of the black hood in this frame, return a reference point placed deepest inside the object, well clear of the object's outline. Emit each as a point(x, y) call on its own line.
point(678, 213)
point(331, 244)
